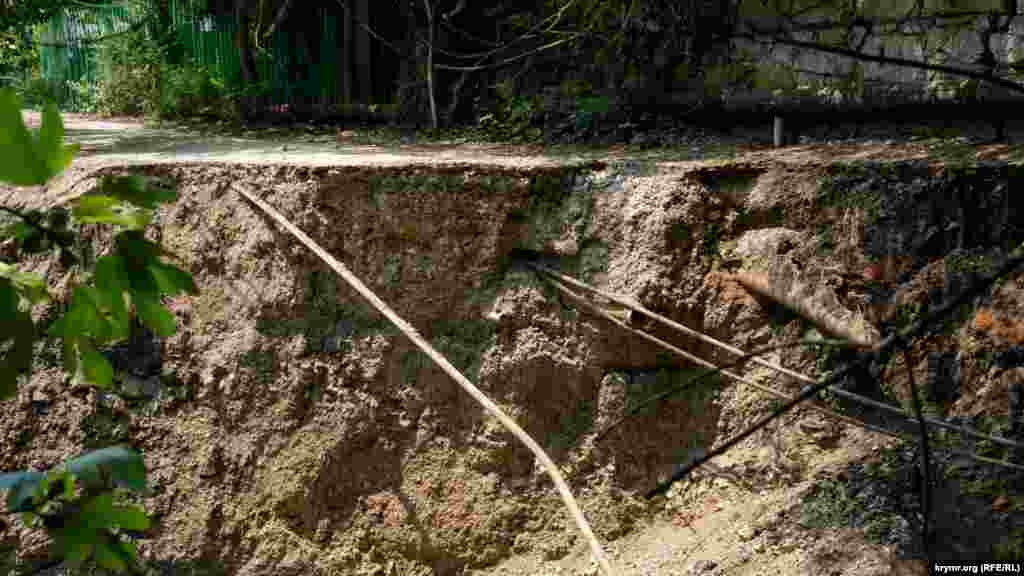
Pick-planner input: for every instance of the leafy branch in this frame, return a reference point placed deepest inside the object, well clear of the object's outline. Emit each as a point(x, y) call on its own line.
point(78, 503)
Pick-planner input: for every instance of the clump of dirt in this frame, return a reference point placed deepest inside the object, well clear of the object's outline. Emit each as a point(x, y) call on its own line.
point(292, 430)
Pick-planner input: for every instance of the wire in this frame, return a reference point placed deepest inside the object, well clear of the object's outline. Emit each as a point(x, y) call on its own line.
point(713, 369)
point(766, 364)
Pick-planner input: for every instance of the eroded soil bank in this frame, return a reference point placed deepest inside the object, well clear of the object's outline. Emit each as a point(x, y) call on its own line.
point(289, 430)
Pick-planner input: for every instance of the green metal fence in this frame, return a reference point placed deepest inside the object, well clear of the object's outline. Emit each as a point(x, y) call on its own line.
point(67, 51)
point(287, 74)
point(291, 70)
point(208, 41)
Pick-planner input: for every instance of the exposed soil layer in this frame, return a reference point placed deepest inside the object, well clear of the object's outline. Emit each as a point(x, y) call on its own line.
point(288, 429)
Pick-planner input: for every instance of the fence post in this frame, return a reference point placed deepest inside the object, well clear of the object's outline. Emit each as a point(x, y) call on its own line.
point(778, 131)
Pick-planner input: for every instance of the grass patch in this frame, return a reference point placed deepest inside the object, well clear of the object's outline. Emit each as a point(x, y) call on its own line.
point(462, 343)
point(697, 391)
point(572, 426)
point(323, 315)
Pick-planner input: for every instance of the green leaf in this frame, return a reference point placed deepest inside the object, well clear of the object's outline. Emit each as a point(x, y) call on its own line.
point(109, 210)
point(8, 298)
point(96, 368)
point(50, 141)
point(109, 558)
point(110, 278)
point(11, 479)
point(69, 487)
point(136, 190)
point(154, 315)
point(130, 518)
point(171, 280)
point(70, 151)
point(42, 489)
point(22, 165)
point(19, 330)
point(19, 230)
point(136, 251)
point(19, 499)
point(94, 207)
point(74, 543)
point(84, 318)
point(31, 286)
point(128, 550)
point(97, 513)
point(125, 466)
point(70, 346)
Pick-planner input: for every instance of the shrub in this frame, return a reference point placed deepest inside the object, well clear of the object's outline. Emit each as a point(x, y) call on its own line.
point(189, 90)
point(512, 114)
point(80, 96)
point(130, 68)
point(37, 91)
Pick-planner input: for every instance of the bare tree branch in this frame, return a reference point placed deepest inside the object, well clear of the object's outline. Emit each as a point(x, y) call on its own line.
point(404, 54)
point(430, 65)
point(925, 491)
point(282, 12)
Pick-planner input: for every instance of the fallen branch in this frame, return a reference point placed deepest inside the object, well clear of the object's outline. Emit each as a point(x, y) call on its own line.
point(549, 465)
point(789, 297)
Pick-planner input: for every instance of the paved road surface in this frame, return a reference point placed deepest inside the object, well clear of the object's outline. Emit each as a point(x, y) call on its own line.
point(129, 142)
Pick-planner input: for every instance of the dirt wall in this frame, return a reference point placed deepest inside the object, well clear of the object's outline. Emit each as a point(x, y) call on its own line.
point(288, 429)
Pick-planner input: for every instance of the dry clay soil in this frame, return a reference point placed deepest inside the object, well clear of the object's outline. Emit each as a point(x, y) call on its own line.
point(293, 432)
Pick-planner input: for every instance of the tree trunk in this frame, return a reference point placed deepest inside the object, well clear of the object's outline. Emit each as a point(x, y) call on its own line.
point(247, 63)
point(363, 58)
point(430, 64)
point(346, 57)
point(779, 132)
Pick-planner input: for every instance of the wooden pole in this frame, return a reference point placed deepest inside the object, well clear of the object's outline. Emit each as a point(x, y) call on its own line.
point(778, 132)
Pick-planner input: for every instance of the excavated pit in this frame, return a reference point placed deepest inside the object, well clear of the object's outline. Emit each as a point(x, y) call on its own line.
point(288, 429)
point(293, 429)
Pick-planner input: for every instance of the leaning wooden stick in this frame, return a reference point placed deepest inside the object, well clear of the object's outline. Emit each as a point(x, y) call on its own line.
point(442, 362)
point(596, 310)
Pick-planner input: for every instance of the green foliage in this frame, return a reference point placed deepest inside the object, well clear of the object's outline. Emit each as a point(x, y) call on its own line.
point(82, 96)
point(190, 90)
point(17, 57)
point(15, 15)
point(31, 159)
point(512, 114)
point(79, 503)
point(129, 72)
point(711, 240)
point(589, 110)
point(463, 344)
point(137, 75)
point(37, 92)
